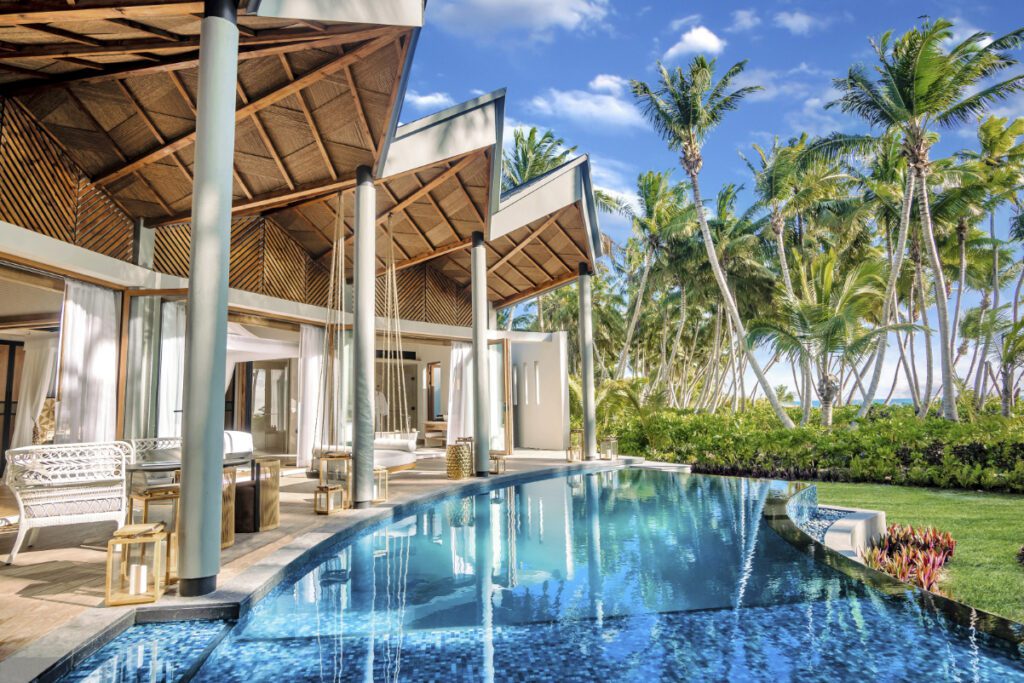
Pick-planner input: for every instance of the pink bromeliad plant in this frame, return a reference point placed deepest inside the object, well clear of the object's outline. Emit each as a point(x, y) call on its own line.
point(911, 555)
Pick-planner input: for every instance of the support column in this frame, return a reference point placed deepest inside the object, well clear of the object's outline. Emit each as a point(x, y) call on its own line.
point(481, 386)
point(363, 347)
point(587, 369)
point(207, 329)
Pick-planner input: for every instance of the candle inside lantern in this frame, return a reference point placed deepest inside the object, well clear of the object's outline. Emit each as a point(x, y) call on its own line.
point(136, 579)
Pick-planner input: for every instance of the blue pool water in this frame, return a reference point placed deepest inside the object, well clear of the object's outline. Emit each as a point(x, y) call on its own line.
point(632, 574)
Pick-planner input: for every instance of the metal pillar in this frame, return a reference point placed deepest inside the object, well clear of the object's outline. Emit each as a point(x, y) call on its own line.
point(587, 357)
point(481, 379)
point(206, 333)
point(364, 283)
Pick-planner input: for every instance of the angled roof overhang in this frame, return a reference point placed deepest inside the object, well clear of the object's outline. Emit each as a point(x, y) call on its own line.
point(114, 84)
point(542, 232)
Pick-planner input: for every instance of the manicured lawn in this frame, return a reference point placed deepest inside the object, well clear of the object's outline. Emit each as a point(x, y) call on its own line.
point(988, 528)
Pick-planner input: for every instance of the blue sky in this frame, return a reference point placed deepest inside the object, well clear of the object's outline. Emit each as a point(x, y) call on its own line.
point(567, 63)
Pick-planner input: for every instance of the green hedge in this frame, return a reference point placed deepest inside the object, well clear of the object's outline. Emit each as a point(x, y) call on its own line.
point(890, 446)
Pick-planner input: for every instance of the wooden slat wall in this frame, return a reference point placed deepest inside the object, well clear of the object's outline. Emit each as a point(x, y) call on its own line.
point(247, 254)
point(264, 259)
point(284, 265)
point(44, 191)
point(38, 184)
point(171, 251)
point(101, 226)
point(426, 295)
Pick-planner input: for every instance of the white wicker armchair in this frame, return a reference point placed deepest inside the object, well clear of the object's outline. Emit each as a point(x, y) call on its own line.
point(57, 485)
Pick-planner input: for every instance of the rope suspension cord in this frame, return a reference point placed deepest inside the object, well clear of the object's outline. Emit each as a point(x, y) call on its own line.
point(332, 403)
point(396, 421)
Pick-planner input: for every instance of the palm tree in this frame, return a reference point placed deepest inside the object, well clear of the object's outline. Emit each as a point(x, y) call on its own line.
point(925, 80)
point(1001, 166)
point(1012, 356)
point(824, 322)
point(532, 154)
point(663, 209)
point(684, 107)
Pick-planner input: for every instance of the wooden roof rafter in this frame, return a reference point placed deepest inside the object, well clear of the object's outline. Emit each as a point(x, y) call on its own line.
point(186, 60)
point(187, 99)
point(249, 109)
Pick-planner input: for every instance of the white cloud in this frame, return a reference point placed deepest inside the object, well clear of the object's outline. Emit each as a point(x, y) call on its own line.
point(773, 83)
point(813, 118)
point(798, 23)
point(963, 29)
point(744, 20)
point(430, 101)
point(1011, 108)
point(617, 179)
point(588, 108)
point(805, 69)
point(699, 39)
point(536, 18)
point(688, 20)
point(609, 83)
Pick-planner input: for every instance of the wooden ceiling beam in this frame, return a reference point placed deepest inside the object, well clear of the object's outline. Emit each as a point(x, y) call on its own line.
point(430, 255)
point(536, 291)
point(151, 30)
point(31, 12)
point(572, 242)
point(276, 199)
point(310, 121)
point(152, 127)
point(248, 110)
point(191, 60)
point(426, 188)
point(117, 150)
point(406, 216)
point(364, 123)
point(67, 35)
point(265, 138)
point(87, 46)
point(522, 244)
point(187, 99)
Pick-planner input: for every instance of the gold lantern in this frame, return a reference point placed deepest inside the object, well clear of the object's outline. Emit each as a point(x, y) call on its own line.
point(328, 499)
point(136, 557)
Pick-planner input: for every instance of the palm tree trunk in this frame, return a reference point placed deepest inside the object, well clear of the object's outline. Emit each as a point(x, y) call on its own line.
point(949, 409)
point(620, 369)
point(1007, 393)
point(927, 342)
point(979, 398)
point(890, 289)
point(679, 334)
point(511, 317)
point(730, 303)
point(908, 369)
point(1016, 296)
point(959, 290)
point(540, 312)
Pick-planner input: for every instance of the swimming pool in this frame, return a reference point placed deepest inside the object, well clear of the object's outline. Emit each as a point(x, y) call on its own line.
point(627, 574)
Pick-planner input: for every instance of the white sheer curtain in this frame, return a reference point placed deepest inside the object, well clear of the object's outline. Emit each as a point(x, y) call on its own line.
point(460, 404)
point(311, 353)
point(172, 369)
point(87, 410)
point(36, 379)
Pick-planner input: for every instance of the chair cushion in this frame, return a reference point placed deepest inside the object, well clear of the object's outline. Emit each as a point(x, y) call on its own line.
point(390, 459)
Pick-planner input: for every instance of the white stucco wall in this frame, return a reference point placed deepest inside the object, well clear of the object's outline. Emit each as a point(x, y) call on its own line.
point(540, 391)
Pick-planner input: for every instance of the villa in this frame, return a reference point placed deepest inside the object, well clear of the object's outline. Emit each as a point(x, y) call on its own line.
point(237, 288)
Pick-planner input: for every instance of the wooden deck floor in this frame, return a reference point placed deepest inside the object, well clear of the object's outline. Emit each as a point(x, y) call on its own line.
point(63, 573)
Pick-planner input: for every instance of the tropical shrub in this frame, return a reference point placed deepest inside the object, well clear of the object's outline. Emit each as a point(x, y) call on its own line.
point(914, 556)
point(891, 445)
